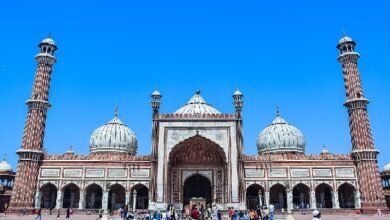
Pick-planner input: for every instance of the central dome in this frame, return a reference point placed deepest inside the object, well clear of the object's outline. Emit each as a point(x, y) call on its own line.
point(197, 105)
point(114, 137)
point(280, 137)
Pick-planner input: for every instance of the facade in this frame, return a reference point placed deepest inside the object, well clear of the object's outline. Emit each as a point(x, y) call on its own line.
point(385, 176)
point(197, 152)
point(7, 177)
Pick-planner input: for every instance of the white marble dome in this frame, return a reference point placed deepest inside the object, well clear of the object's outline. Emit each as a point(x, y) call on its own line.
point(5, 167)
point(48, 40)
point(280, 137)
point(114, 137)
point(197, 105)
point(345, 39)
point(386, 168)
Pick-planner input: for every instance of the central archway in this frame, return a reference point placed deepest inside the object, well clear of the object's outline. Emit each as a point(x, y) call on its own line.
point(197, 186)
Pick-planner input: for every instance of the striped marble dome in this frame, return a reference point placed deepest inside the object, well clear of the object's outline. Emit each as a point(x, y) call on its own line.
point(279, 137)
point(114, 137)
point(197, 105)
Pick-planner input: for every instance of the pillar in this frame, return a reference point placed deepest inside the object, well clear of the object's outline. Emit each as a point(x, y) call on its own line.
point(60, 196)
point(313, 202)
point(82, 200)
point(266, 198)
point(38, 196)
point(134, 199)
point(105, 200)
point(335, 196)
point(260, 199)
point(127, 198)
point(289, 201)
point(356, 195)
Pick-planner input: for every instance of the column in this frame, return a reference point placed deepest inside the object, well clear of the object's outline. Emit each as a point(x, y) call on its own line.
point(127, 198)
point(335, 196)
point(266, 198)
point(357, 199)
point(59, 199)
point(134, 199)
point(313, 202)
point(82, 200)
point(38, 196)
point(105, 200)
point(289, 201)
point(260, 199)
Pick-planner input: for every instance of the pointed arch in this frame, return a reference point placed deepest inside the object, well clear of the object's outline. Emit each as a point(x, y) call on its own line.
point(197, 150)
point(48, 195)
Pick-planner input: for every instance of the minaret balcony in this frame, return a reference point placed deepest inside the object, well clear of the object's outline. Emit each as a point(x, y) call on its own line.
point(356, 103)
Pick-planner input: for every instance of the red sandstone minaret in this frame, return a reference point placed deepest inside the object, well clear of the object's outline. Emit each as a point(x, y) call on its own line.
point(31, 152)
point(363, 149)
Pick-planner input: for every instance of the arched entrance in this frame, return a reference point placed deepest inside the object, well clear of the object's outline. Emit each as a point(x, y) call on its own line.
point(116, 197)
point(193, 156)
point(197, 186)
point(254, 196)
point(71, 196)
point(278, 196)
point(324, 196)
point(48, 196)
point(93, 197)
point(301, 196)
point(142, 196)
point(346, 196)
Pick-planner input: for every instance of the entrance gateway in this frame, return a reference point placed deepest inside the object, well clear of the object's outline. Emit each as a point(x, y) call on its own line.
point(196, 167)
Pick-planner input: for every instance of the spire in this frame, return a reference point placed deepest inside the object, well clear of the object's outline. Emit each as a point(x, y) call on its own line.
point(277, 111)
point(116, 111)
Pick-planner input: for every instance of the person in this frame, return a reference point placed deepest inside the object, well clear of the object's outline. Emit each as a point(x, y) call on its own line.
point(259, 212)
point(252, 214)
point(120, 212)
point(39, 215)
point(147, 216)
point(246, 216)
point(157, 215)
point(195, 213)
point(169, 214)
point(125, 211)
point(234, 215)
point(67, 213)
point(316, 215)
point(100, 214)
point(230, 213)
point(219, 214)
point(240, 215)
point(266, 214)
point(58, 213)
point(379, 212)
point(271, 212)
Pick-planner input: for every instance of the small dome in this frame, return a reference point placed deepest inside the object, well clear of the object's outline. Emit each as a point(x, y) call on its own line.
point(113, 137)
point(48, 40)
point(197, 105)
point(345, 39)
point(324, 150)
point(237, 92)
point(280, 136)
point(5, 167)
point(156, 92)
point(386, 168)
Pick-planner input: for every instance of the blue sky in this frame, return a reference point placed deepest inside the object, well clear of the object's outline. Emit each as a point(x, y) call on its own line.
point(117, 52)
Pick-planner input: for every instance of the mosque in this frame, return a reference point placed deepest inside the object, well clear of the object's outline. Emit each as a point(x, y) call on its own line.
point(197, 157)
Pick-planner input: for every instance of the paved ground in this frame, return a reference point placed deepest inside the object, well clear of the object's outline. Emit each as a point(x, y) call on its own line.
point(93, 217)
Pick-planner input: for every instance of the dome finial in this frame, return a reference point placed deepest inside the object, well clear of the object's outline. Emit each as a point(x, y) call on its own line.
point(116, 111)
point(5, 157)
point(197, 92)
point(277, 111)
